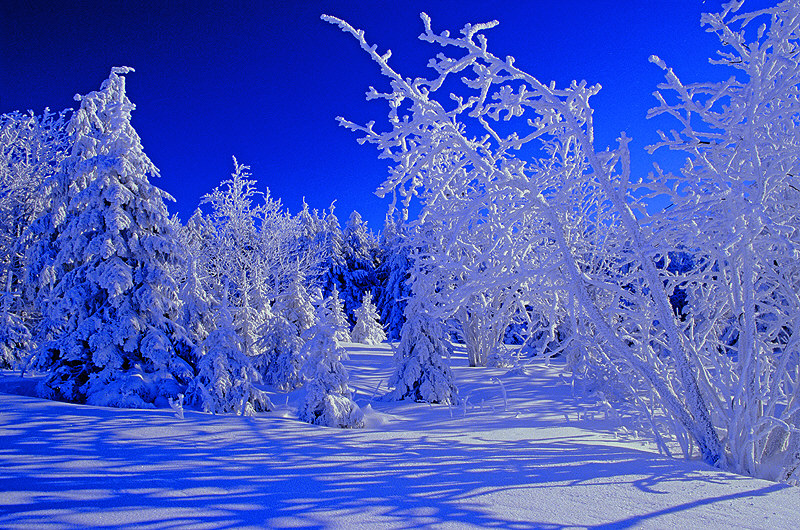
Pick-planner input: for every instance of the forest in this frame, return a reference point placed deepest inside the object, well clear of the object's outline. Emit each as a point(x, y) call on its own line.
point(509, 233)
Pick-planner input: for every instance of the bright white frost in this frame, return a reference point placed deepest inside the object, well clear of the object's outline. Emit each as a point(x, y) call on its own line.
point(558, 228)
point(328, 400)
point(368, 328)
point(103, 252)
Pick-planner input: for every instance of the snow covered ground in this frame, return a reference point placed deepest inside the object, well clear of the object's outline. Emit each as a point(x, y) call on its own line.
point(532, 463)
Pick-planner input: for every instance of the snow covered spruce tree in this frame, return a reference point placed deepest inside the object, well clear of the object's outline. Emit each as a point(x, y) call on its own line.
point(225, 374)
point(393, 275)
point(368, 329)
point(564, 223)
point(421, 369)
point(103, 252)
point(328, 400)
point(360, 254)
point(331, 310)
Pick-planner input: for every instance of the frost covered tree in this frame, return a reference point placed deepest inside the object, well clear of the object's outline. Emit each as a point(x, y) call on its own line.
point(393, 275)
point(720, 379)
point(332, 311)
point(225, 374)
point(421, 371)
point(328, 400)
point(280, 358)
point(368, 329)
point(103, 252)
point(31, 150)
point(294, 303)
point(360, 256)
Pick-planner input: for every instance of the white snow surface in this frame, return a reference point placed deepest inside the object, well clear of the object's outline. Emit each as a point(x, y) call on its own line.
point(544, 460)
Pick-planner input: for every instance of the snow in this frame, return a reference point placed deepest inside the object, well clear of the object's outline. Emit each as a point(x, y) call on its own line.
point(547, 460)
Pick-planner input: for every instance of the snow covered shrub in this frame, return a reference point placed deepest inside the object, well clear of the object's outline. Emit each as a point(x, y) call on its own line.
point(722, 377)
point(102, 254)
point(368, 329)
point(225, 374)
point(328, 400)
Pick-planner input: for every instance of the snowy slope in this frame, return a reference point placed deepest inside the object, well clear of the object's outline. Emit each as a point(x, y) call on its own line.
point(484, 465)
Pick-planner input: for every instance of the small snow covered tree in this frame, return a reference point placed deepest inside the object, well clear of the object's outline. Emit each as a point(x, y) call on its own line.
point(294, 304)
point(328, 400)
point(225, 374)
point(393, 275)
point(332, 311)
point(421, 371)
point(368, 329)
point(280, 353)
point(103, 254)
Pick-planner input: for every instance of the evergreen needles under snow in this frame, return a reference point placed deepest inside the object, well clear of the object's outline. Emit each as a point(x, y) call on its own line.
point(225, 375)
point(109, 247)
point(421, 372)
point(328, 400)
point(368, 329)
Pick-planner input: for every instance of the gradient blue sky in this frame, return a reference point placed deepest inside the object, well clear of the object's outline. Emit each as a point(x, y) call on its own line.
point(264, 81)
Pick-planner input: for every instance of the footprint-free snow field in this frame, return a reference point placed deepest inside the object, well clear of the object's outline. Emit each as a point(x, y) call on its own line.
point(522, 452)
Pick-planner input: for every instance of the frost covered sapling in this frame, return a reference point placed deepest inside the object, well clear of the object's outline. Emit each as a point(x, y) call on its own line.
point(421, 371)
point(332, 310)
point(225, 374)
point(368, 328)
point(328, 400)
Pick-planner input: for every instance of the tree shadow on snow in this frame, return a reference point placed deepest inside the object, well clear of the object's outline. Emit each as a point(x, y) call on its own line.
point(63, 465)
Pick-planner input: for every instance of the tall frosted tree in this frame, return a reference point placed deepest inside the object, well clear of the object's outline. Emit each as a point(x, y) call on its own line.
point(573, 224)
point(360, 257)
point(104, 250)
point(393, 274)
point(31, 150)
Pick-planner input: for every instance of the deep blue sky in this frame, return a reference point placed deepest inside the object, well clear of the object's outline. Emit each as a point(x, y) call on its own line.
point(264, 81)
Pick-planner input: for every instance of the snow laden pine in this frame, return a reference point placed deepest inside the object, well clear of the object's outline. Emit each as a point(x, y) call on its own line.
point(225, 374)
point(721, 378)
point(280, 359)
point(328, 400)
point(368, 328)
point(331, 310)
point(421, 372)
point(103, 254)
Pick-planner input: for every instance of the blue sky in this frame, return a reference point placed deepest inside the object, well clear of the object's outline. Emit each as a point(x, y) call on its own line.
point(264, 81)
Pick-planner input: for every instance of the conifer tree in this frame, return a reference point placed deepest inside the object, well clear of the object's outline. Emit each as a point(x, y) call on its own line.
point(421, 371)
point(104, 251)
point(225, 374)
point(279, 360)
point(328, 399)
point(333, 312)
point(368, 329)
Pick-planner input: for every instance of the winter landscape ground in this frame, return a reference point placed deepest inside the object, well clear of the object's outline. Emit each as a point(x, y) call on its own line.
point(547, 459)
